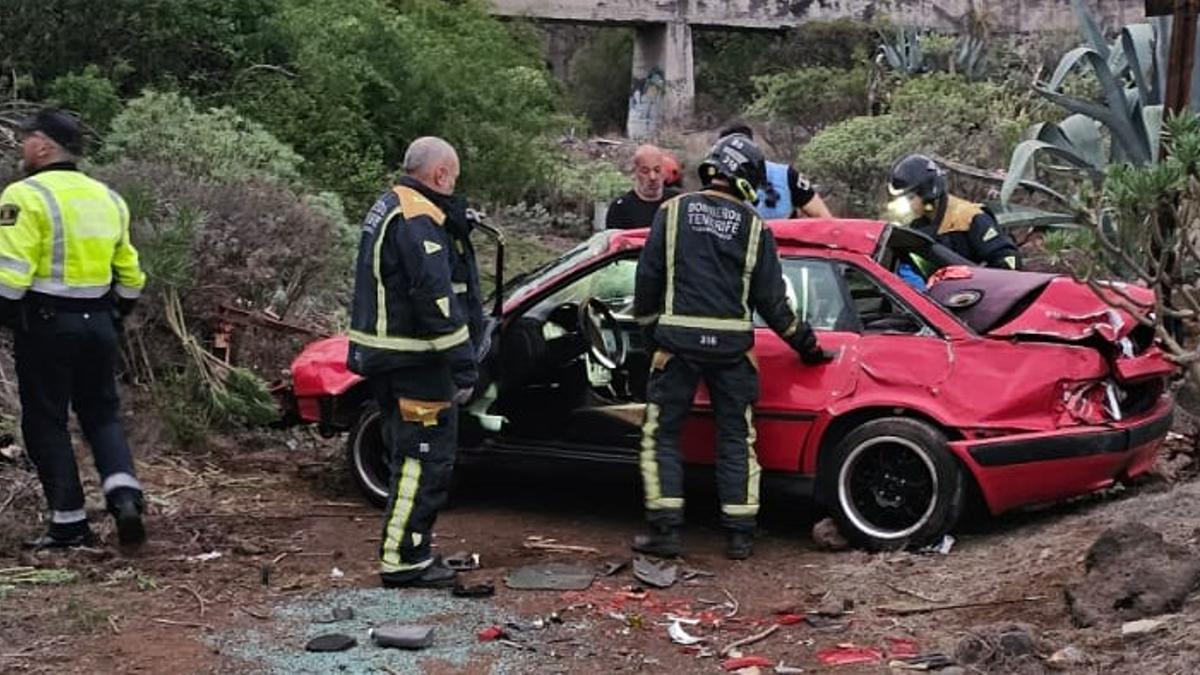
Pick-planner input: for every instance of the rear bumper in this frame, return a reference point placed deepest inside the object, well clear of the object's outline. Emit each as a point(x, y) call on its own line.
point(1031, 468)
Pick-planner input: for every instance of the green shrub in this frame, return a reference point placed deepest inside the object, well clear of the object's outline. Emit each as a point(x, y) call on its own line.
point(850, 160)
point(219, 143)
point(810, 97)
point(88, 93)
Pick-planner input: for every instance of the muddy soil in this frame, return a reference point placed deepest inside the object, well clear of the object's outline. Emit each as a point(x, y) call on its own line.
point(256, 543)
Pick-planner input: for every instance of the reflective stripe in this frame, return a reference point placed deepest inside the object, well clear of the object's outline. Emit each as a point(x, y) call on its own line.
point(705, 322)
point(647, 460)
point(122, 211)
point(753, 470)
point(15, 264)
point(381, 315)
point(739, 509)
point(67, 517)
point(58, 256)
point(458, 288)
point(11, 292)
point(748, 265)
point(120, 480)
point(62, 290)
point(672, 238)
point(406, 492)
point(388, 568)
point(663, 503)
point(406, 344)
point(791, 329)
point(127, 292)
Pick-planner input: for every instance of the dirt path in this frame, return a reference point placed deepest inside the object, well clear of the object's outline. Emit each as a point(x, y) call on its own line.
point(294, 543)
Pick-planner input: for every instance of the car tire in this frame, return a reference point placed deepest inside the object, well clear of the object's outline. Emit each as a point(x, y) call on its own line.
point(367, 456)
point(892, 483)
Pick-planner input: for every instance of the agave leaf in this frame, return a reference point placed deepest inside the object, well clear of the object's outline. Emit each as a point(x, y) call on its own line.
point(1091, 29)
point(1126, 138)
point(1152, 122)
point(1009, 219)
point(1137, 42)
point(1080, 133)
point(1023, 163)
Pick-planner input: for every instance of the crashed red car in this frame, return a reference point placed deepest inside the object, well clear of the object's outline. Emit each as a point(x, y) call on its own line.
point(1014, 388)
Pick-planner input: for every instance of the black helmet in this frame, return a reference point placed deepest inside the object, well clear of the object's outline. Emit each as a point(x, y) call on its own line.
point(738, 160)
point(918, 175)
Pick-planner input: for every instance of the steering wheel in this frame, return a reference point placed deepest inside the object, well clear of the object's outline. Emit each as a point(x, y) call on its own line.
point(607, 343)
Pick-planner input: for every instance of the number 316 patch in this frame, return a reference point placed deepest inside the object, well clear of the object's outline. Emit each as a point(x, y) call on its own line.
point(8, 214)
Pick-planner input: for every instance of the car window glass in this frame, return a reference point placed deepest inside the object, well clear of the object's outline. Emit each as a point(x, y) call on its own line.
point(814, 293)
point(522, 286)
point(612, 284)
point(878, 310)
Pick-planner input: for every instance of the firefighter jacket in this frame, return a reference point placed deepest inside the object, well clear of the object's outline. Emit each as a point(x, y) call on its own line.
point(66, 235)
point(416, 286)
point(709, 263)
point(970, 230)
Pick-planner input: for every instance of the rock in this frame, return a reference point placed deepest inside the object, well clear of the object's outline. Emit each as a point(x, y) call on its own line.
point(1001, 647)
point(826, 535)
point(1131, 573)
point(1068, 656)
point(1141, 627)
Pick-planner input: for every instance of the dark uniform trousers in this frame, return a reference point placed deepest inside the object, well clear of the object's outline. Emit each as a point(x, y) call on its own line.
point(420, 430)
point(733, 388)
point(68, 358)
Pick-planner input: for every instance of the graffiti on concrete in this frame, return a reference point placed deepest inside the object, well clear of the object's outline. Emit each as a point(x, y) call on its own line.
point(645, 102)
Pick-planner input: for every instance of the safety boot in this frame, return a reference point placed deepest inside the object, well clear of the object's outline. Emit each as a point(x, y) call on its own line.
point(663, 541)
point(60, 536)
point(126, 505)
point(436, 575)
point(739, 544)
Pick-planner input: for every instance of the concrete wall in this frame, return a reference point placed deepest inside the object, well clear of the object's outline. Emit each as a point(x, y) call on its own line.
point(1010, 15)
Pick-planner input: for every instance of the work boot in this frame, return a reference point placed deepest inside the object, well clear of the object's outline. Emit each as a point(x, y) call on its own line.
point(125, 504)
point(739, 545)
point(436, 575)
point(663, 541)
point(61, 536)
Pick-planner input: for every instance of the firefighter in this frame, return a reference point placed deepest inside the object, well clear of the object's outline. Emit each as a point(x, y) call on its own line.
point(921, 201)
point(68, 273)
point(784, 192)
point(708, 265)
point(416, 304)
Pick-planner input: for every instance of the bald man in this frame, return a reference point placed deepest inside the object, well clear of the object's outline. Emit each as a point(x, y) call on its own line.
point(637, 207)
point(415, 317)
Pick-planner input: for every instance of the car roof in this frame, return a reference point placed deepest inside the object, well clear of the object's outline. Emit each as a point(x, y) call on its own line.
point(847, 234)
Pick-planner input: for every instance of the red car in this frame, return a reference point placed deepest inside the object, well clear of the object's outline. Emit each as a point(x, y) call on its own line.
point(1015, 388)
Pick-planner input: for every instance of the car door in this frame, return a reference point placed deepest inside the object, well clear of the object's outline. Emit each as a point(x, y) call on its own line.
point(791, 393)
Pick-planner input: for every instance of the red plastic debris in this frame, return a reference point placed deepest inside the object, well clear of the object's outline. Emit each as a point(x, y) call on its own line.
point(490, 633)
point(789, 619)
point(746, 662)
point(902, 648)
point(849, 654)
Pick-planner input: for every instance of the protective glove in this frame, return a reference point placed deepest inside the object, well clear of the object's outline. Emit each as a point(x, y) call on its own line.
point(804, 342)
point(463, 396)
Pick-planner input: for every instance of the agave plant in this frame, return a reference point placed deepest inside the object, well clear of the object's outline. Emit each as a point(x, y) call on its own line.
point(1123, 125)
point(903, 51)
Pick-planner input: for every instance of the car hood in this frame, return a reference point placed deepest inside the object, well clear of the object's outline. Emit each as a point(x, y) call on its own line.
point(1008, 304)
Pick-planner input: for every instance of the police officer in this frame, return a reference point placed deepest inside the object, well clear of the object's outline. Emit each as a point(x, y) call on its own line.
point(920, 200)
point(64, 254)
point(784, 192)
point(708, 265)
point(416, 303)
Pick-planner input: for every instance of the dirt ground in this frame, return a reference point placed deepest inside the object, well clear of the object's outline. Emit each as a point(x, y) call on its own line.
point(256, 542)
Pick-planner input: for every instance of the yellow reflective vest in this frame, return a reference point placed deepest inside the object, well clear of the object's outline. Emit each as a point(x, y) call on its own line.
point(67, 235)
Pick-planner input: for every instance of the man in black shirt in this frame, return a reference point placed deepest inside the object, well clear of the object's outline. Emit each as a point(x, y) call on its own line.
point(637, 207)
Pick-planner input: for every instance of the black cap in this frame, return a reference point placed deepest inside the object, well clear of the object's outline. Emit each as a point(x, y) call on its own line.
point(61, 127)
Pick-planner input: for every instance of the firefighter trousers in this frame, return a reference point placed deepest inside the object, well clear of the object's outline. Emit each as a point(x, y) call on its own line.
point(420, 431)
point(733, 388)
point(68, 360)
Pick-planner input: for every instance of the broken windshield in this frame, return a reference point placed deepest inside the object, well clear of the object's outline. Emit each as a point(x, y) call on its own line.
point(524, 285)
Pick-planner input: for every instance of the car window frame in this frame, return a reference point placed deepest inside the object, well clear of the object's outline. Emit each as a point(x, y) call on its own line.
point(848, 315)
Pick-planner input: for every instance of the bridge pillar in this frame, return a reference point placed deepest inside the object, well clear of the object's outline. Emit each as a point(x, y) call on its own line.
point(664, 82)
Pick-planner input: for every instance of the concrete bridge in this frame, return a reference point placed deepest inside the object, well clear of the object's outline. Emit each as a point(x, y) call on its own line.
point(663, 73)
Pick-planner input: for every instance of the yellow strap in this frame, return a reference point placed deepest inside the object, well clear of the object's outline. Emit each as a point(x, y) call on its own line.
point(705, 322)
point(406, 344)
